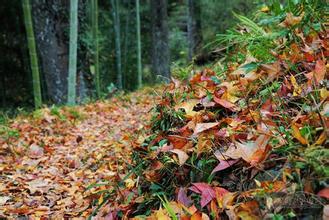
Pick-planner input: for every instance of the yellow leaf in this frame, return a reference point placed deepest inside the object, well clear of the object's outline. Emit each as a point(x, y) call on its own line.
point(188, 107)
point(321, 139)
point(130, 183)
point(297, 135)
point(324, 93)
point(265, 9)
point(297, 89)
point(100, 200)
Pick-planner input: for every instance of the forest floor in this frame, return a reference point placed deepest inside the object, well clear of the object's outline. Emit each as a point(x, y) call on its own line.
point(49, 158)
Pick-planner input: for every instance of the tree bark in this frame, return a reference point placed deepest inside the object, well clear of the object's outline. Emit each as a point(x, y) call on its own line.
point(51, 21)
point(194, 34)
point(160, 40)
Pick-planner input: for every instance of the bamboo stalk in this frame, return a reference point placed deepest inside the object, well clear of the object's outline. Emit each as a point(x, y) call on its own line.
point(116, 18)
point(139, 50)
point(72, 78)
point(33, 53)
point(96, 45)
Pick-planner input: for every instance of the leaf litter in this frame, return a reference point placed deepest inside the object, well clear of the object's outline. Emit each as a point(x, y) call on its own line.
point(60, 152)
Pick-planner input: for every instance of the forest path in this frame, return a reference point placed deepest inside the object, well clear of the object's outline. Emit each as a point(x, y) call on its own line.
point(46, 170)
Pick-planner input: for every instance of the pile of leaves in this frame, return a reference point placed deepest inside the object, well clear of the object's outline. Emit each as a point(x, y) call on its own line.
point(55, 161)
point(249, 140)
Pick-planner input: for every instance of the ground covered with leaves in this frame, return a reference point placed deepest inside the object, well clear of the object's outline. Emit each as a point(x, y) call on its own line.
point(50, 158)
point(246, 139)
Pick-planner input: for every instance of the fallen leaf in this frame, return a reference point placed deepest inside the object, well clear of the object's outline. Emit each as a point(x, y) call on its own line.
point(324, 193)
point(224, 164)
point(35, 151)
point(225, 103)
point(319, 71)
point(4, 199)
point(182, 197)
point(252, 152)
point(296, 133)
point(182, 156)
point(200, 127)
point(206, 191)
point(291, 20)
point(188, 107)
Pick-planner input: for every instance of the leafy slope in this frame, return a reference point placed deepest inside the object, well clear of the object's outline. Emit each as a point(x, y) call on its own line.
point(50, 158)
point(248, 141)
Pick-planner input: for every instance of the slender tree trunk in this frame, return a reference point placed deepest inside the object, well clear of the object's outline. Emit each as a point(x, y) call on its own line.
point(125, 49)
point(194, 34)
point(116, 19)
point(33, 53)
point(94, 18)
point(139, 48)
point(160, 40)
point(72, 79)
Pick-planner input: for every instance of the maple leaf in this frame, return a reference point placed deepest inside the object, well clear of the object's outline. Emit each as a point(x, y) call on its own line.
point(252, 152)
point(206, 191)
point(177, 141)
point(224, 164)
point(182, 156)
point(188, 107)
point(200, 127)
point(291, 20)
point(225, 103)
point(182, 197)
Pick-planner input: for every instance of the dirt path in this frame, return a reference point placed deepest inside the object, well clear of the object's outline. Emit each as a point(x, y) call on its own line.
point(60, 152)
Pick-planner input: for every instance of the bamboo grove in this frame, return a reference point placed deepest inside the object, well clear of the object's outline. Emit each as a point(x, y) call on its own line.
point(71, 52)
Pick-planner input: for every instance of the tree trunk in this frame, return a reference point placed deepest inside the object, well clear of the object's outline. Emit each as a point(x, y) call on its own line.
point(194, 34)
point(139, 48)
point(116, 19)
point(72, 79)
point(94, 18)
point(160, 39)
point(33, 53)
point(50, 25)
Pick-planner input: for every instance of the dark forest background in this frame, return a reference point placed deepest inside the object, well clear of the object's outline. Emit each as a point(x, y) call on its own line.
point(164, 27)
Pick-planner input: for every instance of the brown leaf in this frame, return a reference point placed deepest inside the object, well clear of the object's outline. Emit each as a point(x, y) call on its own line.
point(182, 156)
point(319, 71)
point(35, 151)
point(291, 20)
point(200, 127)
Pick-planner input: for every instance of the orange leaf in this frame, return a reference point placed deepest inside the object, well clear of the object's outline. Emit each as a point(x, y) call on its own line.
point(225, 103)
point(297, 135)
point(177, 141)
point(319, 71)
